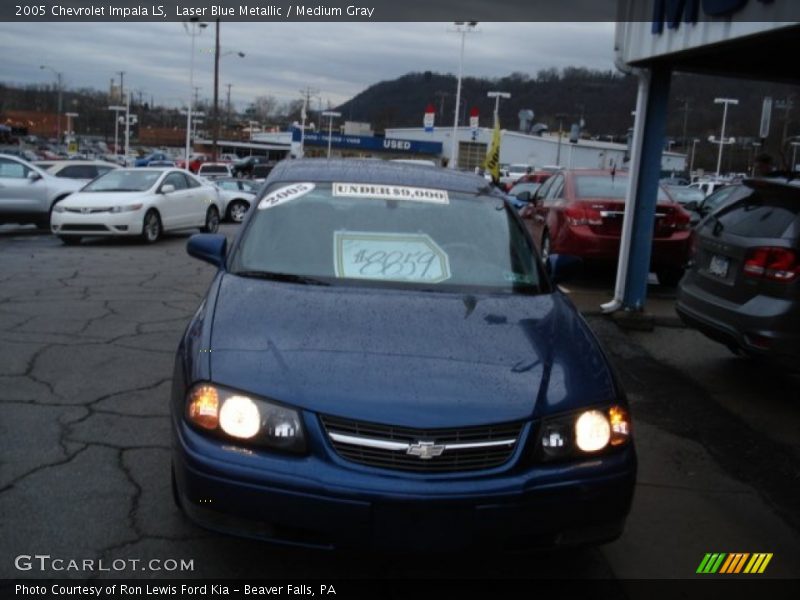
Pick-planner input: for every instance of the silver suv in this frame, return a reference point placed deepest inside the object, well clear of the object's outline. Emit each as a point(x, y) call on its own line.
point(28, 193)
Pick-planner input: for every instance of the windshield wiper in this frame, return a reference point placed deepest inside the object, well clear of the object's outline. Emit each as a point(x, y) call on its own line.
point(287, 277)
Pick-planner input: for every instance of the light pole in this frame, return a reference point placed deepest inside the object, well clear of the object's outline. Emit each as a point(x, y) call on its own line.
point(722, 142)
point(303, 115)
point(497, 96)
point(59, 79)
point(691, 161)
point(462, 27)
point(331, 114)
point(70, 116)
point(117, 109)
point(218, 55)
point(194, 30)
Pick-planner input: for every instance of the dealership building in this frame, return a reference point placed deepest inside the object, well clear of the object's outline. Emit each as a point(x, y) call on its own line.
point(755, 39)
point(533, 150)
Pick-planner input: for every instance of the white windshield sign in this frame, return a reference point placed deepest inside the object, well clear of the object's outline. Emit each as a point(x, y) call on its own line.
point(391, 192)
point(381, 256)
point(285, 194)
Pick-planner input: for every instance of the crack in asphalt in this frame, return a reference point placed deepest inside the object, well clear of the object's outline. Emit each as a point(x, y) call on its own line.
point(10, 485)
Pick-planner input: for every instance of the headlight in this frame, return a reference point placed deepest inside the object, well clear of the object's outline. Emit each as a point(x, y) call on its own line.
point(237, 416)
point(126, 208)
point(59, 209)
point(583, 433)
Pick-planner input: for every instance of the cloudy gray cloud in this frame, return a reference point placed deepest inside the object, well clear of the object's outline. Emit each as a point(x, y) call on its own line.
point(338, 59)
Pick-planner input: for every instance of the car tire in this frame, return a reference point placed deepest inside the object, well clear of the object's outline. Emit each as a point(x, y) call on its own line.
point(70, 240)
point(212, 220)
point(237, 210)
point(669, 277)
point(151, 227)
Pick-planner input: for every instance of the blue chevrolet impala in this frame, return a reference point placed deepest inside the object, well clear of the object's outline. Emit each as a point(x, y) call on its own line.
point(382, 359)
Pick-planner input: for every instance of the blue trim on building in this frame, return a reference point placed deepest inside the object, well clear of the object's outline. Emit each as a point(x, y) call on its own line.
point(369, 143)
point(647, 189)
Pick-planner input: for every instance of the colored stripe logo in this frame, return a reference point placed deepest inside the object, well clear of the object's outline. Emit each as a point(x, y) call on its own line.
point(734, 563)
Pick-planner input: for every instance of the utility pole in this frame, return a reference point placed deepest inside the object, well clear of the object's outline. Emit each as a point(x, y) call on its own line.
point(121, 85)
point(215, 128)
point(441, 96)
point(685, 121)
point(308, 93)
point(228, 110)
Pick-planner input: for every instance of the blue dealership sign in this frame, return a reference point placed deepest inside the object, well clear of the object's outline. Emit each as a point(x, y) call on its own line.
point(368, 143)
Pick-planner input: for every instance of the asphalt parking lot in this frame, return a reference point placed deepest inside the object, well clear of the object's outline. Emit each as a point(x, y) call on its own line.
point(87, 337)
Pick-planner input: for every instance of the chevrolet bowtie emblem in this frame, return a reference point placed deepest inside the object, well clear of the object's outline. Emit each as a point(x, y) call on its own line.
point(425, 450)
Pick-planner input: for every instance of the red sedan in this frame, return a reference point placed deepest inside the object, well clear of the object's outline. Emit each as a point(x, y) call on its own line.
point(580, 211)
point(195, 160)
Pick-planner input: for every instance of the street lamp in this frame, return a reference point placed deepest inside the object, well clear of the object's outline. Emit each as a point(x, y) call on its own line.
point(462, 27)
point(722, 141)
point(59, 79)
point(331, 114)
point(691, 161)
point(217, 57)
point(70, 116)
point(497, 96)
point(194, 30)
point(117, 109)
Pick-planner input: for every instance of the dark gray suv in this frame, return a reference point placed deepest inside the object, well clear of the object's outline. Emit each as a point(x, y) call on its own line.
point(743, 288)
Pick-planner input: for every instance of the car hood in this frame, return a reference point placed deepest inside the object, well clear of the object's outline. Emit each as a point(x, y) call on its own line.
point(92, 199)
point(419, 359)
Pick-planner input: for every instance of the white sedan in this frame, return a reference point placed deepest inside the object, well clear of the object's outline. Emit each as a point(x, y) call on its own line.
point(143, 202)
point(237, 196)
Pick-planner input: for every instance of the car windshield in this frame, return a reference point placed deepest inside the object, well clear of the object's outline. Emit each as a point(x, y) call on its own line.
point(684, 194)
point(390, 235)
point(525, 187)
point(124, 180)
point(606, 186)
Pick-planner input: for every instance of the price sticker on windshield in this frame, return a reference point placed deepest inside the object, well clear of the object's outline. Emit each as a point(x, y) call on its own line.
point(382, 191)
point(285, 194)
point(380, 256)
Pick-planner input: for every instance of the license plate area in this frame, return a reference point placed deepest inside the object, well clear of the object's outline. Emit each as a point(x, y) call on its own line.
point(719, 266)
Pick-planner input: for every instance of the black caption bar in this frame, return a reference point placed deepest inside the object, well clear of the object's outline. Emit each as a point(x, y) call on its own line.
point(313, 10)
point(390, 589)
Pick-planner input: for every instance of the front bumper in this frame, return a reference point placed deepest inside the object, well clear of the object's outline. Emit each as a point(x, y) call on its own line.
point(104, 223)
point(322, 501)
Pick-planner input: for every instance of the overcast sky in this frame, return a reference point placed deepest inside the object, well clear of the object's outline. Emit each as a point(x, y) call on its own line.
point(338, 59)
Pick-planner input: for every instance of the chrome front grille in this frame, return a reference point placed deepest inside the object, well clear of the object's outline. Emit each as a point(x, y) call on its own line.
point(422, 450)
point(86, 210)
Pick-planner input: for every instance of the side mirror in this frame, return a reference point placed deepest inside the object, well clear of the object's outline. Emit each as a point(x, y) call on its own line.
point(691, 205)
point(563, 267)
point(167, 188)
point(524, 196)
point(33, 176)
point(209, 247)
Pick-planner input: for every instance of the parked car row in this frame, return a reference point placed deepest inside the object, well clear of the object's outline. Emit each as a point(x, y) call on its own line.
point(143, 201)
